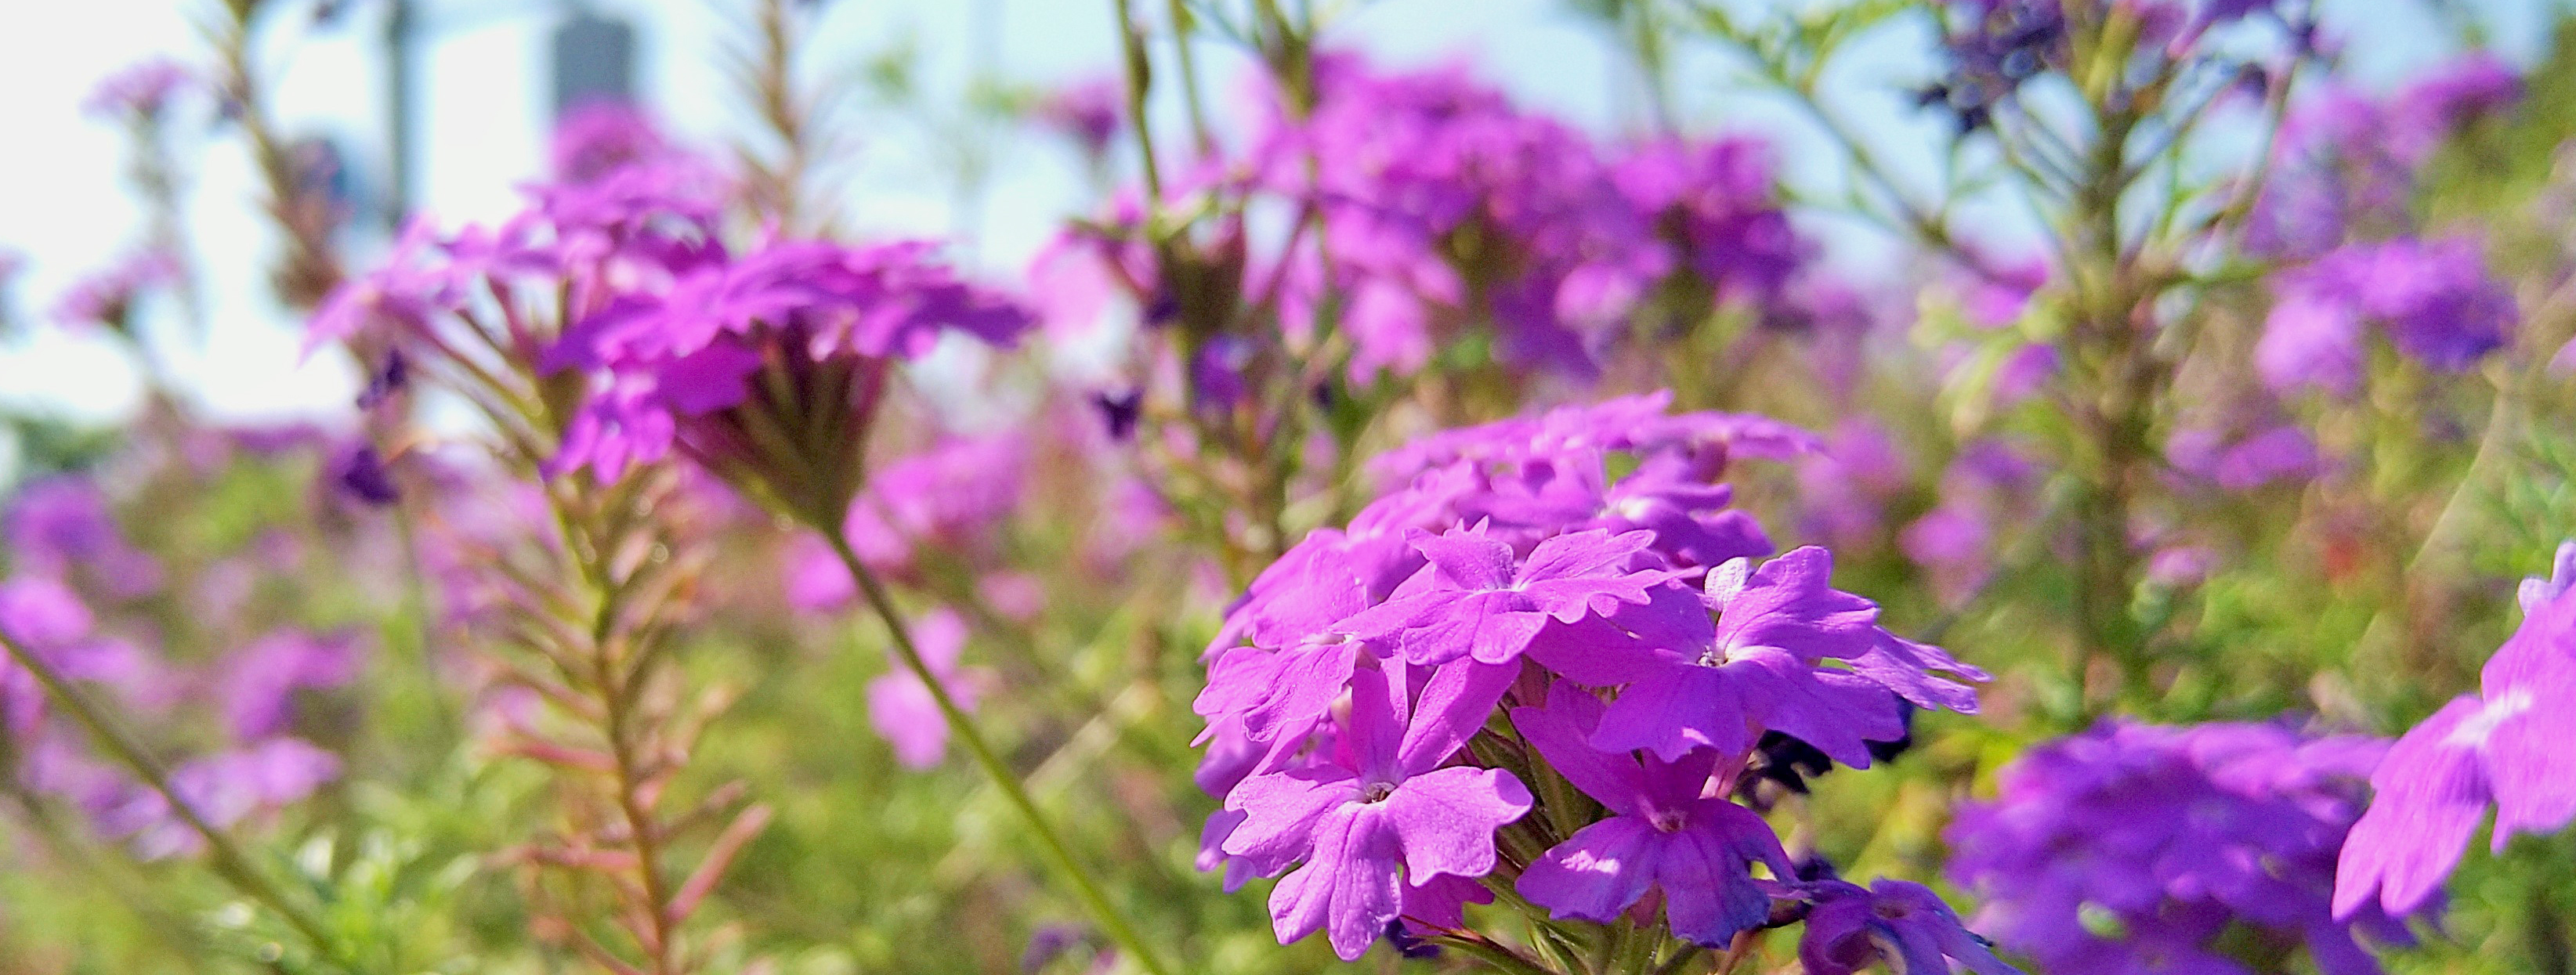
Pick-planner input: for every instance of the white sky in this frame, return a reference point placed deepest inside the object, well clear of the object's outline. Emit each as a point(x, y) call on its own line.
point(62, 202)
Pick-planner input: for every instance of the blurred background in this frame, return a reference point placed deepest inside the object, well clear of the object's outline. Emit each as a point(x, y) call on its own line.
point(929, 87)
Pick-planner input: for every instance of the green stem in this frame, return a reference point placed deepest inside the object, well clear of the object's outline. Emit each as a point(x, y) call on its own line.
point(230, 863)
point(1501, 958)
point(1111, 921)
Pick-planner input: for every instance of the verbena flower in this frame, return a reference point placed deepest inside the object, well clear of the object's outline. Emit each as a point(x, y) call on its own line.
point(900, 706)
point(1617, 620)
point(1663, 834)
point(2345, 164)
point(2505, 746)
point(1902, 925)
point(766, 369)
point(1381, 807)
point(61, 527)
point(260, 681)
point(2135, 845)
point(109, 297)
point(142, 89)
point(2435, 302)
point(1092, 113)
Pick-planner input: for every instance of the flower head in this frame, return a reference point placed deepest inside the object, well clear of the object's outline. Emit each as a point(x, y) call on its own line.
point(2132, 842)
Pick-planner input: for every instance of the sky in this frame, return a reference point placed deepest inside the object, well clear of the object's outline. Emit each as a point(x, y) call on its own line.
point(484, 108)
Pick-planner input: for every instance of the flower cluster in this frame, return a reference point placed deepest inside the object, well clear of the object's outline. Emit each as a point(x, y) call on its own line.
point(2346, 164)
point(2132, 847)
point(81, 599)
point(2435, 302)
point(1383, 698)
point(2504, 746)
point(1441, 208)
point(765, 368)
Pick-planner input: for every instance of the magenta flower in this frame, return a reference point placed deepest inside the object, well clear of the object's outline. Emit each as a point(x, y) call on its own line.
point(224, 789)
point(2436, 303)
point(1380, 810)
point(108, 297)
point(1091, 113)
point(1475, 600)
point(1662, 833)
point(260, 681)
point(139, 90)
point(1756, 668)
point(703, 367)
point(62, 525)
point(900, 705)
point(2505, 745)
point(601, 137)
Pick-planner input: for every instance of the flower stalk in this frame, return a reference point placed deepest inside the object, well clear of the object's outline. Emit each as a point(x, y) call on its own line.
point(230, 863)
point(1112, 921)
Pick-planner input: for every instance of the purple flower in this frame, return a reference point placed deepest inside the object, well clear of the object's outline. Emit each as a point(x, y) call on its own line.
point(1512, 568)
point(107, 297)
point(1904, 925)
point(900, 706)
point(2505, 745)
point(948, 499)
point(260, 680)
point(679, 369)
point(224, 789)
point(2435, 106)
point(140, 90)
point(1092, 113)
point(60, 525)
point(1474, 599)
point(2128, 844)
point(1662, 833)
point(2282, 453)
point(600, 137)
point(2436, 303)
point(1756, 668)
point(1379, 810)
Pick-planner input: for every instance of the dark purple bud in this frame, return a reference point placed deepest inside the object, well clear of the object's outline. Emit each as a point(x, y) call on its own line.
point(1406, 944)
point(1162, 309)
point(362, 474)
point(1120, 412)
point(389, 378)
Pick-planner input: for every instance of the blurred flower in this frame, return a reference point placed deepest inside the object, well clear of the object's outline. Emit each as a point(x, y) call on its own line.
point(61, 525)
point(360, 473)
point(140, 90)
point(2435, 301)
point(1901, 924)
point(259, 681)
point(2130, 847)
point(107, 297)
point(597, 138)
point(900, 706)
point(224, 789)
point(1091, 113)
